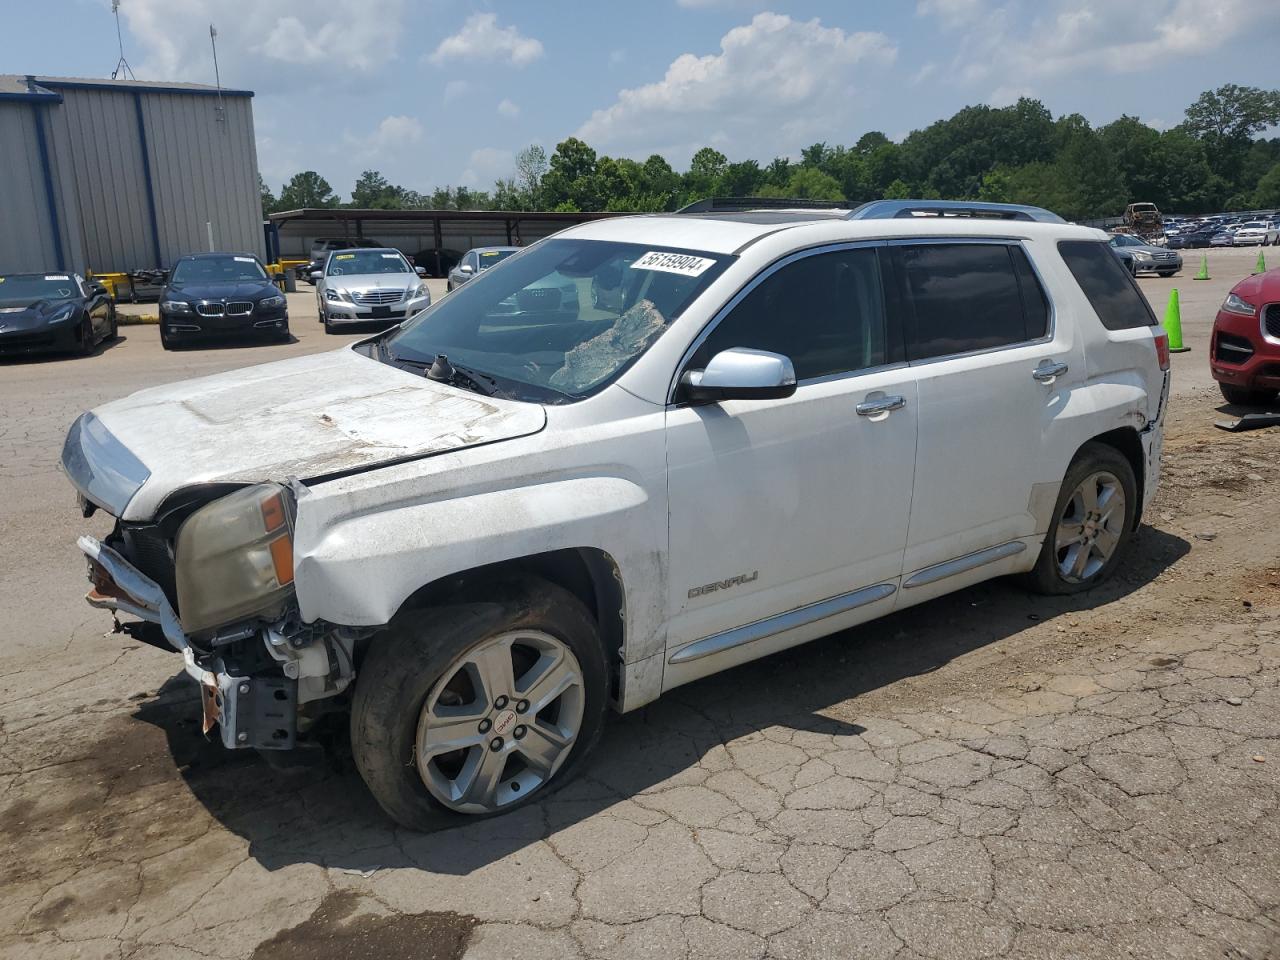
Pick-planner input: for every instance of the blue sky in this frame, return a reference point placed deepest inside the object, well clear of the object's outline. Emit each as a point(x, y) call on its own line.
point(435, 93)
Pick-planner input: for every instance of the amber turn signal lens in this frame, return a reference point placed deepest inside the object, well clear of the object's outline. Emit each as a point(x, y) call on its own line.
point(282, 559)
point(273, 516)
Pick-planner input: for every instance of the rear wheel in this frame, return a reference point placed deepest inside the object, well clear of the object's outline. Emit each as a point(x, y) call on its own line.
point(478, 706)
point(1244, 397)
point(1092, 523)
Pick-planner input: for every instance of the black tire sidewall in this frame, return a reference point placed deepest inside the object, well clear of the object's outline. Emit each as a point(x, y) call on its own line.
point(405, 662)
point(1046, 577)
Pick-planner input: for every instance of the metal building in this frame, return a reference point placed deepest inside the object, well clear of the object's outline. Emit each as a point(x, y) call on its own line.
point(121, 175)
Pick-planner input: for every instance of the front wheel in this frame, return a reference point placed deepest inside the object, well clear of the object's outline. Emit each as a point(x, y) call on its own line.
point(479, 705)
point(1092, 523)
point(1244, 397)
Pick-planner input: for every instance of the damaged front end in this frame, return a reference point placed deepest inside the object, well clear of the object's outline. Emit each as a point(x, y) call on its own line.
point(213, 577)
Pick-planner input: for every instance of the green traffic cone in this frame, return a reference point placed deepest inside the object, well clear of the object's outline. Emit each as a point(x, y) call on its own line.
point(1204, 268)
point(1173, 324)
point(1261, 266)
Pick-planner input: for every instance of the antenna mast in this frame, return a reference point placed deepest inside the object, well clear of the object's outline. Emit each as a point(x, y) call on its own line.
point(122, 65)
point(217, 79)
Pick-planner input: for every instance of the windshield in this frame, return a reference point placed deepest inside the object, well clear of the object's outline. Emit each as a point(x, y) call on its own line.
point(562, 318)
point(52, 286)
point(218, 270)
point(358, 262)
point(489, 257)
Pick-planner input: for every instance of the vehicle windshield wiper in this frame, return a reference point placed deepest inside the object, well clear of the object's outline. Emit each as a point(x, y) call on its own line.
point(442, 370)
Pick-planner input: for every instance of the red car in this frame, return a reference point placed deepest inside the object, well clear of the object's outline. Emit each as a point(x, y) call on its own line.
point(1245, 349)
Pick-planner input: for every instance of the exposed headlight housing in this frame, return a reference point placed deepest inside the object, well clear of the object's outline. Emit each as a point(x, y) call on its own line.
point(1238, 305)
point(273, 301)
point(175, 306)
point(234, 558)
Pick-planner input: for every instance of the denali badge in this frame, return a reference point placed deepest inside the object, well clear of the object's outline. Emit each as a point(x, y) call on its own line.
point(724, 584)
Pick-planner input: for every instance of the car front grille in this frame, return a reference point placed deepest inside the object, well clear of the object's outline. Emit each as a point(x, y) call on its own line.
point(1271, 320)
point(1164, 256)
point(147, 548)
point(239, 308)
point(377, 298)
point(211, 309)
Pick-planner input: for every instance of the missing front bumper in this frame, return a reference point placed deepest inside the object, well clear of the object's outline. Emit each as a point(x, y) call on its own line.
point(258, 712)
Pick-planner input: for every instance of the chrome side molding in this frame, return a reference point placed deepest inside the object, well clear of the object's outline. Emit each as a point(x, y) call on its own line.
point(799, 617)
point(949, 568)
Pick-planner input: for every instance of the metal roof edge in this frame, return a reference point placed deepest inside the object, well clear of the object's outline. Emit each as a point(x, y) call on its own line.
point(130, 86)
point(35, 93)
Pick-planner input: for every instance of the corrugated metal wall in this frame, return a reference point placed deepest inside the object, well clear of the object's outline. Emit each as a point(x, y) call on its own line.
point(27, 241)
point(202, 168)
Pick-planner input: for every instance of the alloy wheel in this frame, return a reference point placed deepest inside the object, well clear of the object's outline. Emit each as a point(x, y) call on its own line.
point(500, 721)
point(1091, 526)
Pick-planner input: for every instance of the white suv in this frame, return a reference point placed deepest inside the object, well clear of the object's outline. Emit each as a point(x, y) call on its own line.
point(633, 454)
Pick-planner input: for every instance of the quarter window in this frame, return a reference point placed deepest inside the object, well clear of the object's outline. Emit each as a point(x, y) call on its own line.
point(969, 296)
point(1111, 291)
point(825, 312)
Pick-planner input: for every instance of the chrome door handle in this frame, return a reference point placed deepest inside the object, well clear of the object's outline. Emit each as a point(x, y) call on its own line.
point(1049, 371)
point(869, 408)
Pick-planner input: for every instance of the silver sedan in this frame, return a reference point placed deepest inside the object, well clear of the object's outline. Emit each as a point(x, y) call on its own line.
point(473, 261)
point(369, 286)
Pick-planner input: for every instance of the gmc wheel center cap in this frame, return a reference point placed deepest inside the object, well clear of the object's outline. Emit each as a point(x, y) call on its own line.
point(504, 722)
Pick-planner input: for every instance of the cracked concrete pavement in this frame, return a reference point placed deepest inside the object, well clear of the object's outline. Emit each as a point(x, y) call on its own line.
point(989, 775)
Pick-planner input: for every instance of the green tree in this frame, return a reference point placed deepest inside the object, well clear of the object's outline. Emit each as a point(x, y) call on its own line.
point(1226, 120)
point(268, 198)
point(374, 191)
point(741, 179)
point(531, 167)
point(571, 176)
point(1268, 192)
point(897, 190)
point(306, 189)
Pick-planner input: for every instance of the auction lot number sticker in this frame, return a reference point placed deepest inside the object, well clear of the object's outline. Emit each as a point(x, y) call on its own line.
point(682, 263)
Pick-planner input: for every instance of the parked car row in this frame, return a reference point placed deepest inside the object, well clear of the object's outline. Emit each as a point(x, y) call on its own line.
point(1222, 231)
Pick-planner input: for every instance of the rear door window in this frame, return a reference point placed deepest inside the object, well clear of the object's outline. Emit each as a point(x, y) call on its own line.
point(1111, 291)
point(963, 297)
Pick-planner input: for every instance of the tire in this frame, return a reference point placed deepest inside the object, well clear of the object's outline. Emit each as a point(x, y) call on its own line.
point(1167, 273)
point(1058, 569)
point(166, 342)
point(328, 327)
point(1244, 397)
point(87, 342)
point(416, 661)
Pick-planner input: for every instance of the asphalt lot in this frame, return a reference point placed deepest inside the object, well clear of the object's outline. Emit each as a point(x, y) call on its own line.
point(991, 774)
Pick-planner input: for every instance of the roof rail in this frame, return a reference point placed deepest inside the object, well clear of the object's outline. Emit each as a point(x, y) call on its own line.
point(741, 204)
point(893, 209)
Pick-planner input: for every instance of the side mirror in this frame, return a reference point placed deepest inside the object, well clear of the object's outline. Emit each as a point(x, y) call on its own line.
point(465, 268)
point(98, 288)
point(420, 271)
point(740, 374)
point(317, 275)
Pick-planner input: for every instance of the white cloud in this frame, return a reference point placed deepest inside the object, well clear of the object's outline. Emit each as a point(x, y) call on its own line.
point(775, 85)
point(255, 38)
point(485, 166)
point(951, 13)
point(398, 131)
point(455, 89)
point(1066, 38)
point(482, 39)
point(508, 109)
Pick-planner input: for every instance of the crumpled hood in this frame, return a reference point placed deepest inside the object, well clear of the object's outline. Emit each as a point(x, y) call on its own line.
point(307, 417)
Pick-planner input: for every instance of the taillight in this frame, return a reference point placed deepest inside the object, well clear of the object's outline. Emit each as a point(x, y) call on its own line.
point(1162, 349)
